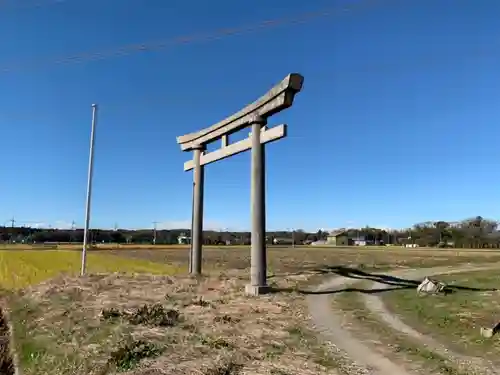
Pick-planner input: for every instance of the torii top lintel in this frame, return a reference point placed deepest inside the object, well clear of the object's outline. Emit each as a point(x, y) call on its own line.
point(275, 100)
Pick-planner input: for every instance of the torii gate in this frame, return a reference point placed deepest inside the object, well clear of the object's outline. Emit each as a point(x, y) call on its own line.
point(254, 115)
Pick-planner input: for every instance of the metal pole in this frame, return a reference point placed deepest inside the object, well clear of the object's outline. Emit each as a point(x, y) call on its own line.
point(258, 261)
point(89, 189)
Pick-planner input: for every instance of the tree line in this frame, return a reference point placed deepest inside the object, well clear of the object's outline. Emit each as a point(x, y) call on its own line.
point(476, 232)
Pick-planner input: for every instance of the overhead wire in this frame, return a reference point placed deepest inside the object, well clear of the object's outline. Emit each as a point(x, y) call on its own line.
point(156, 45)
point(475, 52)
point(156, 101)
point(18, 5)
point(390, 66)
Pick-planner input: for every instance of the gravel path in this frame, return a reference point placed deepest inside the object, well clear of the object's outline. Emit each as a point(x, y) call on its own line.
point(360, 358)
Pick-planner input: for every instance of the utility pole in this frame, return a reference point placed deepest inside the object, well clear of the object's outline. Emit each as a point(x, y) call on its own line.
point(13, 222)
point(115, 229)
point(72, 236)
point(154, 232)
point(292, 230)
point(89, 189)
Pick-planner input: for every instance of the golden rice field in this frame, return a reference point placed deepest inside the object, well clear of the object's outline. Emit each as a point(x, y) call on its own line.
point(19, 269)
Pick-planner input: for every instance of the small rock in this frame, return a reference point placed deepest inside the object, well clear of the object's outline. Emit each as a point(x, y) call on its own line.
point(487, 332)
point(429, 286)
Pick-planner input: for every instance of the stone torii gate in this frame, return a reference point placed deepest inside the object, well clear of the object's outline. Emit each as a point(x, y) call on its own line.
point(254, 115)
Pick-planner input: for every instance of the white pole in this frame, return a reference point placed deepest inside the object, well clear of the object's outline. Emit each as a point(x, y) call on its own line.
point(89, 189)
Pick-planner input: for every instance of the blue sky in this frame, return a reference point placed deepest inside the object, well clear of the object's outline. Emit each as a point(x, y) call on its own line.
point(397, 122)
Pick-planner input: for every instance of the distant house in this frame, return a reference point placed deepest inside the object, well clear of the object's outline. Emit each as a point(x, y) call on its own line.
point(183, 239)
point(318, 243)
point(282, 241)
point(362, 241)
point(338, 238)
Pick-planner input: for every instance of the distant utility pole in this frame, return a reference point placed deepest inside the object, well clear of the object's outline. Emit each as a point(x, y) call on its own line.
point(115, 227)
point(89, 189)
point(154, 232)
point(72, 235)
point(293, 236)
point(12, 221)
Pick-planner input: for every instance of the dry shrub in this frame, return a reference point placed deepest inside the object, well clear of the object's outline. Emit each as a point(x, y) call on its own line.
point(154, 315)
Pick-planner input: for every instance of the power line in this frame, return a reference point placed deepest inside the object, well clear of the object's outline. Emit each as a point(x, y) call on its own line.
point(391, 67)
point(11, 5)
point(186, 39)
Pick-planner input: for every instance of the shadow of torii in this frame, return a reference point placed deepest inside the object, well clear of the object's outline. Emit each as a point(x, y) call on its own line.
point(393, 282)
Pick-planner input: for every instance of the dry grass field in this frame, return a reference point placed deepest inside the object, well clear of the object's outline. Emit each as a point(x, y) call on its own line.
point(115, 246)
point(109, 324)
point(124, 319)
point(312, 260)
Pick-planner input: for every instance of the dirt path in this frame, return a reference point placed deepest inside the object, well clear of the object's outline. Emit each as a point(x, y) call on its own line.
point(330, 324)
point(364, 359)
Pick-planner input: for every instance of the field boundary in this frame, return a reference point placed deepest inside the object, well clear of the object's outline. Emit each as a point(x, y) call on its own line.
point(111, 246)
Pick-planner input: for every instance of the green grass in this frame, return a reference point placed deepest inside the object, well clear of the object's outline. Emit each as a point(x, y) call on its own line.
point(454, 319)
point(19, 269)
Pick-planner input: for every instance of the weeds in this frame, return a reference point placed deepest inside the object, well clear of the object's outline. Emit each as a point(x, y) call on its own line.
point(128, 356)
point(151, 315)
point(155, 315)
point(201, 302)
point(112, 313)
point(225, 368)
point(277, 371)
point(217, 343)
point(226, 319)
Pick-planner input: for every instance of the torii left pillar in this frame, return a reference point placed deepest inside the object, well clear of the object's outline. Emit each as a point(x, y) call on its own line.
point(197, 226)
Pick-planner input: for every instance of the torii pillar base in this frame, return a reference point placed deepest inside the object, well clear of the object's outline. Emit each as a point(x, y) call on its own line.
point(257, 290)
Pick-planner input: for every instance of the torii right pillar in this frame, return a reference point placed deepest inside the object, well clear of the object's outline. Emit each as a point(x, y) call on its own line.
point(258, 274)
